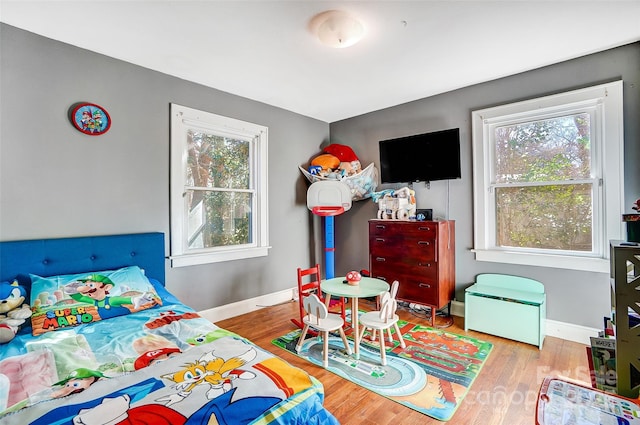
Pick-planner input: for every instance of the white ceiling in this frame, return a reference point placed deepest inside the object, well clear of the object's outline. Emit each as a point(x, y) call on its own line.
point(263, 50)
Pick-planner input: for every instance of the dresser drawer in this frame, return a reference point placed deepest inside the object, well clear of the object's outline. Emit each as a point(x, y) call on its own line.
point(422, 291)
point(392, 269)
point(387, 229)
point(421, 249)
point(421, 288)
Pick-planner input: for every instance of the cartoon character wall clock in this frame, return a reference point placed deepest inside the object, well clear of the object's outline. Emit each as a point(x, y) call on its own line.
point(90, 118)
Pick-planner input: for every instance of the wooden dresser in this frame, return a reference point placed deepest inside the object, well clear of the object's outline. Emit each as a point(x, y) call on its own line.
point(418, 254)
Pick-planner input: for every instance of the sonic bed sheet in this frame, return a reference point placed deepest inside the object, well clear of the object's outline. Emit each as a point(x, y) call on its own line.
point(163, 365)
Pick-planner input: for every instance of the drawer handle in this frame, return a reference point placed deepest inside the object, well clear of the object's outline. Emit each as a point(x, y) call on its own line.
point(379, 239)
point(427, 228)
point(424, 243)
point(381, 278)
point(424, 264)
point(424, 285)
point(380, 226)
point(381, 259)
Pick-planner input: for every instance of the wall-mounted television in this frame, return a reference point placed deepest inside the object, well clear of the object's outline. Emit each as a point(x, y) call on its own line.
point(422, 157)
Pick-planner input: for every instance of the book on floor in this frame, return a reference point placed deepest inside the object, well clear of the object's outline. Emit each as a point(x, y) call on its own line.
point(603, 357)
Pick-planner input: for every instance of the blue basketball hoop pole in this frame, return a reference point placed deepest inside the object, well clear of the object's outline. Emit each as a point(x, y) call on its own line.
point(329, 248)
point(328, 214)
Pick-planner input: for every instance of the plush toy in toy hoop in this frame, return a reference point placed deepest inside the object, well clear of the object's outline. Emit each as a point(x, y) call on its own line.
point(361, 185)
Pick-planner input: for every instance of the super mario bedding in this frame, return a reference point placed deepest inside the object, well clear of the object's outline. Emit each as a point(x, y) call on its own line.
point(160, 365)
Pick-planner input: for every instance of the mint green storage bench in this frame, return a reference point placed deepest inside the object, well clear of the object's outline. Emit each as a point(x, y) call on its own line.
point(507, 306)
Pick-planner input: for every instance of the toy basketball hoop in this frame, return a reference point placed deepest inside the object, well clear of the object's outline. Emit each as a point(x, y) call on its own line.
point(329, 194)
point(326, 211)
point(327, 199)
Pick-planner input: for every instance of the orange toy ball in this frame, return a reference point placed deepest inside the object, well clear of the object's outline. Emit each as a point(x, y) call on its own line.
point(326, 161)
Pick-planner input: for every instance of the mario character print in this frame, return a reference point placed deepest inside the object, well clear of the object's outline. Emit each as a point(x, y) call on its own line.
point(77, 381)
point(90, 118)
point(94, 289)
point(154, 356)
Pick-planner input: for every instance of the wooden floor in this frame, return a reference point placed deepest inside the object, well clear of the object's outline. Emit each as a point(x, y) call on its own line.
point(504, 393)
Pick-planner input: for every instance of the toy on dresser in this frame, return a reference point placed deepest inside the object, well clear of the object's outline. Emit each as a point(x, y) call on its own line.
point(397, 204)
point(14, 312)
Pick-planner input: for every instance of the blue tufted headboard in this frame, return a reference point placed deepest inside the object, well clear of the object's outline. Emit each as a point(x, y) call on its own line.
point(48, 257)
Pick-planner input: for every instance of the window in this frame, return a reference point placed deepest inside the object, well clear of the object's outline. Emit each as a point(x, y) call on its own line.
point(541, 193)
point(218, 188)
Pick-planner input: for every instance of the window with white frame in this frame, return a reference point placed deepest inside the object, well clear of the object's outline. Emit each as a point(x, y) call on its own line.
point(218, 188)
point(548, 179)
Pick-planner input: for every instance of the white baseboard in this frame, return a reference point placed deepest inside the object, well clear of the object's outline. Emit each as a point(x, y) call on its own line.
point(247, 306)
point(457, 308)
point(570, 331)
point(563, 330)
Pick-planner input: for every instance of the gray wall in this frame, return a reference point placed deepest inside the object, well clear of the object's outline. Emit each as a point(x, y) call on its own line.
point(576, 297)
point(58, 182)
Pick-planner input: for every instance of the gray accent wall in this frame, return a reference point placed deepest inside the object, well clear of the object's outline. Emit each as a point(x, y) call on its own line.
point(575, 297)
point(58, 182)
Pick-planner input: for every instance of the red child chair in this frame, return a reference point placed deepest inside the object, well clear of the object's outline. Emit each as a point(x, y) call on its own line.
point(309, 283)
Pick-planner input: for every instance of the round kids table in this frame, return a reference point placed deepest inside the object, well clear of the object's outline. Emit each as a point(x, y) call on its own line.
point(368, 287)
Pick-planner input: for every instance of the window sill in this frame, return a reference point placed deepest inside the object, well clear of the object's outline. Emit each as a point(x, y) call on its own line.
point(186, 260)
point(587, 264)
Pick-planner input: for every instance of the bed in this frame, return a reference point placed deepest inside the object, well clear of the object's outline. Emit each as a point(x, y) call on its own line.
point(106, 343)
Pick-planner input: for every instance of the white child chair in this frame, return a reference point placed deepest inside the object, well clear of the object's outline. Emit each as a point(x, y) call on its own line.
point(319, 319)
point(393, 291)
point(383, 319)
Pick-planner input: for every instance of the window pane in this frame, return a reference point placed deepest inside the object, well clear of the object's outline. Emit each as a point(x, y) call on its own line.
point(217, 161)
point(545, 150)
point(219, 219)
point(545, 217)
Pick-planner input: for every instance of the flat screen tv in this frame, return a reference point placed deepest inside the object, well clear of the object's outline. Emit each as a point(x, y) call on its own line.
point(422, 157)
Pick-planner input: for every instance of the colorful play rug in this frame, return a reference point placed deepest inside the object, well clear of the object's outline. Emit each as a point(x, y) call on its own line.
point(431, 375)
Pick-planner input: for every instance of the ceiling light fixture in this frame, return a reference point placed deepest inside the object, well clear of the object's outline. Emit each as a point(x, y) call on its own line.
point(335, 28)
